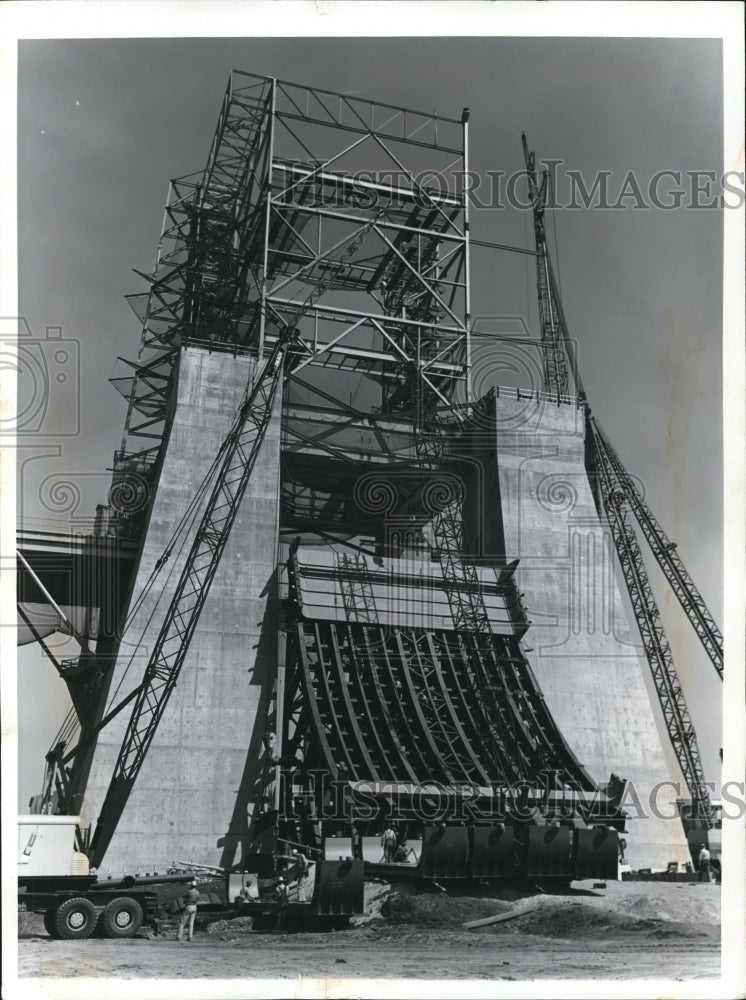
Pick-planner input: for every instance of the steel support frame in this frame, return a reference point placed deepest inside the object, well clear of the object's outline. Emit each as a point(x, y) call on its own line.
point(616, 505)
point(411, 704)
point(214, 283)
point(668, 559)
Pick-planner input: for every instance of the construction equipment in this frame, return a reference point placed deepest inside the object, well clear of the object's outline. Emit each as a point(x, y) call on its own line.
point(55, 879)
point(619, 499)
point(559, 361)
point(239, 451)
point(461, 702)
point(666, 554)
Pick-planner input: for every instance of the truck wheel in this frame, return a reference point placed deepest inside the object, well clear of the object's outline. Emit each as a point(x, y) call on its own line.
point(122, 917)
point(49, 927)
point(75, 919)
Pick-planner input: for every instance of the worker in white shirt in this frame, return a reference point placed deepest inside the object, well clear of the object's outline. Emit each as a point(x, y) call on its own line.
point(704, 865)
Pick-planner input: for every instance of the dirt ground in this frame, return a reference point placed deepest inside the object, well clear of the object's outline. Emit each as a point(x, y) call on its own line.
point(629, 930)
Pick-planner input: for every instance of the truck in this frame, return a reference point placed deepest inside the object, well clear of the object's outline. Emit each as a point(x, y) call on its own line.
point(77, 902)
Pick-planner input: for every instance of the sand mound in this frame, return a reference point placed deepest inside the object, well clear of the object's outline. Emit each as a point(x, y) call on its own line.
point(688, 902)
point(437, 910)
point(570, 920)
point(656, 910)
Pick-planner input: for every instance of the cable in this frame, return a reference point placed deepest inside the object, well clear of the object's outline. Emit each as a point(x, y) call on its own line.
point(149, 619)
point(528, 275)
point(188, 514)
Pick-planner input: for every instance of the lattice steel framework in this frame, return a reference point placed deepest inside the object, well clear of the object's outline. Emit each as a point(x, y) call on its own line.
point(282, 217)
point(616, 500)
point(559, 363)
point(668, 559)
point(295, 177)
point(371, 702)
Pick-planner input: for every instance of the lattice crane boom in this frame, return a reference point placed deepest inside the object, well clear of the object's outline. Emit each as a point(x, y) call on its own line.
point(615, 498)
point(240, 450)
point(553, 351)
point(669, 561)
point(622, 501)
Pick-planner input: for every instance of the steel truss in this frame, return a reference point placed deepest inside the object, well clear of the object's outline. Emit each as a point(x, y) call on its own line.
point(618, 505)
point(558, 355)
point(294, 177)
point(668, 559)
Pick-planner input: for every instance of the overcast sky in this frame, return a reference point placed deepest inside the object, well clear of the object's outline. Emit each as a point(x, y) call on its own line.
point(104, 125)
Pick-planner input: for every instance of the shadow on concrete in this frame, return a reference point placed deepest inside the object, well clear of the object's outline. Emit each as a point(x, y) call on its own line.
point(236, 841)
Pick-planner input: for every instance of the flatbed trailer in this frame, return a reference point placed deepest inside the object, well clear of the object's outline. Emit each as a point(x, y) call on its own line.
point(55, 880)
point(77, 906)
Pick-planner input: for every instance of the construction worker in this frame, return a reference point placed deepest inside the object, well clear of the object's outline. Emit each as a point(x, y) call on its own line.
point(704, 865)
point(302, 873)
point(622, 849)
point(244, 895)
point(281, 895)
point(388, 843)
point(186, 918)
point(357, 844)
point(401, 854)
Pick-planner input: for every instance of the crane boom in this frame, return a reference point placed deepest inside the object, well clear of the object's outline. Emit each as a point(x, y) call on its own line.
point(669, 561)
point(240, 447)
point(616, 503)
point(550, 317)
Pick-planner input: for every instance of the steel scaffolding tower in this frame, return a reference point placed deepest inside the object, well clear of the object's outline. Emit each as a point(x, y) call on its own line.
point(295, 175)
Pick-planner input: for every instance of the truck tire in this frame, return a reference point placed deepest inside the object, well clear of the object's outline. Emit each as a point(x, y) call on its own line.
point(122, 917)
point(75, 919)
point(49, 923)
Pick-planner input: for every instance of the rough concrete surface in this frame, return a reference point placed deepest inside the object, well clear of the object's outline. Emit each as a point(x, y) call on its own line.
point(190, 800)
point(584, 650)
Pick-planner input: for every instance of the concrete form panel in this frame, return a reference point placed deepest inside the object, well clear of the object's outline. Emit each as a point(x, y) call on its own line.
point(407, 593)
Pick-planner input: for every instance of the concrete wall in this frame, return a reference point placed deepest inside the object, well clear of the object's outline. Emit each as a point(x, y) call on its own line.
point(200, 776)
point(585, 651)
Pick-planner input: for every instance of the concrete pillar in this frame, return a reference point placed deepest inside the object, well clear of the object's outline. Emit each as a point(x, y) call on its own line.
point(585, 649)
point(200, 777)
